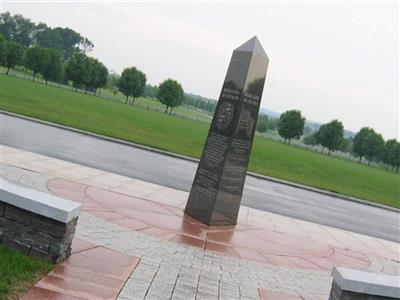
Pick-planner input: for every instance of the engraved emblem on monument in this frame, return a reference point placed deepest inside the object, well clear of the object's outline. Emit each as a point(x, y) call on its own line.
point(225, 115)
point(246, 123)
point(217, 188)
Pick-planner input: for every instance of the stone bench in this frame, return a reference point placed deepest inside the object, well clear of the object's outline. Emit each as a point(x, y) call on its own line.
point(36, 223)
point(349, 284)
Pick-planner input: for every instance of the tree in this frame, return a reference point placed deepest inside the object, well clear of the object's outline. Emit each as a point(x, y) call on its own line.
point(66, 40)
point(346, 145)
point(262, 123)
point(77, 70)
point(330, 135)
point(35, 59)
point(14, 54)
point(390, 153)
point(374, 146)
point(310, 139)
point(52, 67)
point(359, 142)
point(3, 51)
point(132, 83)
point(291, 125)
point(396, 157)
point(98, 75)
point(170, 93)
point(273, 123)
point(150, 91)
point(17, 29)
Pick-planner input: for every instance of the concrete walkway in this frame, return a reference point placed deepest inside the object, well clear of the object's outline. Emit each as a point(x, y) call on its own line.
point(266, 255)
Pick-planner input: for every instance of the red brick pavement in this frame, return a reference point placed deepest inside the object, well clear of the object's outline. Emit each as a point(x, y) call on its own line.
point(91, 272)
point(251, 242)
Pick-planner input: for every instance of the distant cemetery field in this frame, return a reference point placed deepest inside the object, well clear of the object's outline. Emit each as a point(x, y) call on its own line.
point(185, 136)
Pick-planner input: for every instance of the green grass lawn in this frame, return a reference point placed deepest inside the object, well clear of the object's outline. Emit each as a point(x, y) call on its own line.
point(187, 137)
point(156, 105)
point(141, 101)
point(18, 273)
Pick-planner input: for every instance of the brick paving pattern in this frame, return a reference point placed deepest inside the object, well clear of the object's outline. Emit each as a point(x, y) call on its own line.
point(266, 256)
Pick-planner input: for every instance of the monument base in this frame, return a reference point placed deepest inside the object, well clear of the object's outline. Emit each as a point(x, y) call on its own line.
point(210, 218)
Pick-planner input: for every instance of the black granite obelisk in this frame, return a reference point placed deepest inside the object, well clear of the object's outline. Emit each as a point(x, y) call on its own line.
point(218, 185)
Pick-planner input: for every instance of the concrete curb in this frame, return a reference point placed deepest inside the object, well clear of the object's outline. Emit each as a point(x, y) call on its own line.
point(159, 151)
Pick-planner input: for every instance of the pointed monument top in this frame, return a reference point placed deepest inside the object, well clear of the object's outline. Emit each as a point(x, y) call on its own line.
point(252, 45)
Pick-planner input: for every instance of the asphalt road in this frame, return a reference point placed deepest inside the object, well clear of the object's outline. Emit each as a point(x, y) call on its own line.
point(178, 173)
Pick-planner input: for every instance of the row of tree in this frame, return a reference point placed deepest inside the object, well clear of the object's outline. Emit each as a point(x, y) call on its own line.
point(59, 54)
point(45, 61)
point(86, 72)
point(23, 31)
point(132, 83)
point(366, 144)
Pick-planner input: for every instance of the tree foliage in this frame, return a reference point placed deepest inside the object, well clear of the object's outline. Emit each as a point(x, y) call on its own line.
point(170, 93)
point(291, 125)
point(262, 123)
point(374, 146)
point(199, 102)
point(132, 83)
point(86, 72)
point(76, 70)
point(52, 66)
point(66, 40)
point(150, 91)
point(346, 145)
point(18, 29)
point(273, 123)
point(310, 139)
point(359, 145)
point(35, 59)
point(3, 51)
point(391, 154)
point(330, 135)
point(369, 144)
point(14, 55)
point(99, 74)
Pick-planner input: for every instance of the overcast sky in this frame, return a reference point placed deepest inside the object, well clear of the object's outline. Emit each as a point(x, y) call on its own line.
point(328, 59)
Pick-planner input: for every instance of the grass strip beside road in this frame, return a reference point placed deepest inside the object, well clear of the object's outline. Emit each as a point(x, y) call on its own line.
point(18, 273)
point(184, 136)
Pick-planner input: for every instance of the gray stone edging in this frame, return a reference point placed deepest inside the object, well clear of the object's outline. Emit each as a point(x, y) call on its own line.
point(365, 284)
point(184, 157)
point(41, 203)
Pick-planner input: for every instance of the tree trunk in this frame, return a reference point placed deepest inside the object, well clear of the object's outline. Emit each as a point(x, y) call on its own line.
point(288, 142)
point(322, 151)
point(284, 141)
point(166, 110)
point(329, 151)
point(359, 161)
point(99, 92)
point(133, 101)
point(46, 81)
point(170, 110)
point(8, 70)
point(34, 75)
point(126, 100)
point(76, 89)
point(369, 162)
point(387, 166)
point(86, 91)
point(397, 169)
